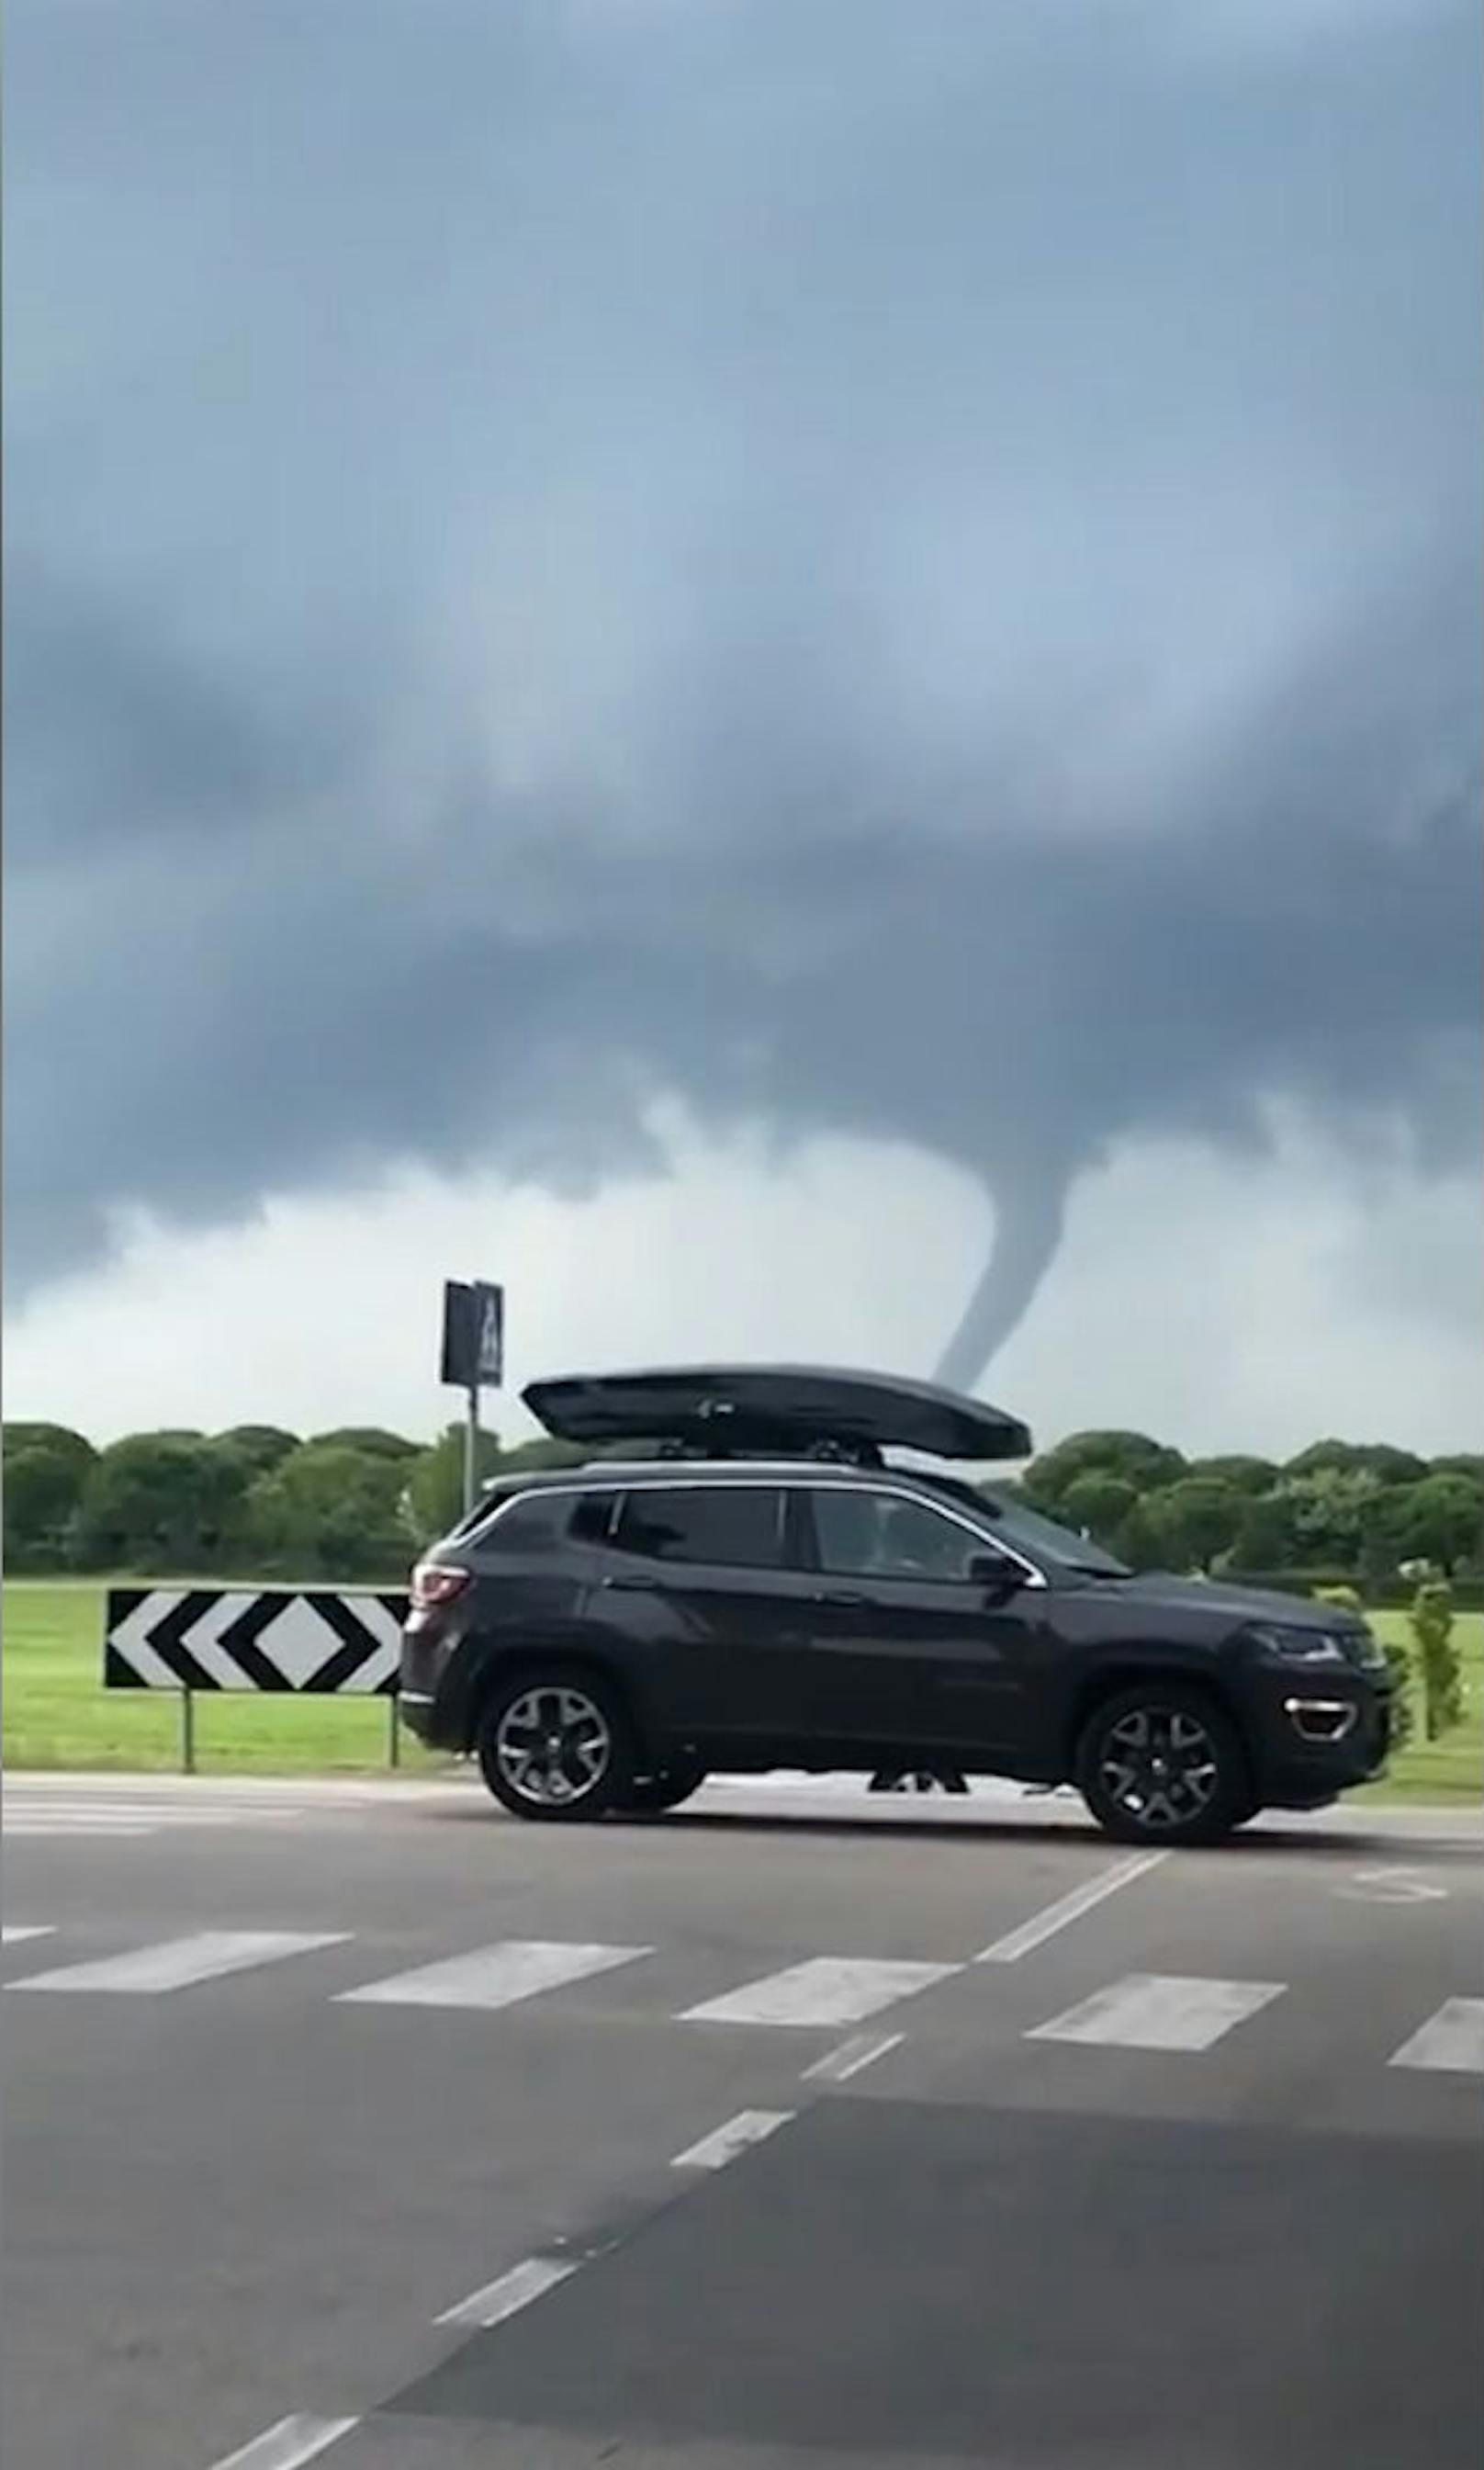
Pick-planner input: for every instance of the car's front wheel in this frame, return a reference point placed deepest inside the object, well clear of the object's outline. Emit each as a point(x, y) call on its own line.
point(555, 1744)
point(1163, 1764)
point(665, 1789)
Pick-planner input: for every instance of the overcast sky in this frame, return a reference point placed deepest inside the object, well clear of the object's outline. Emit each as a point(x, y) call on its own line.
point(730, 658)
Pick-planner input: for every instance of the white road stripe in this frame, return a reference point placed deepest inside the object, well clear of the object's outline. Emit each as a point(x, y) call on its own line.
point(1160, 2011)
point(715, 2151)
point(292, 2441)
point(68, 1827)
point(111, 1813)
point(175, 1963)
point(826, 1990)
point(852, 2058)
point(11, 1933)
point(494, 1976)
point(514, 2290)
point(1068, 1908)
point(1451, 2041)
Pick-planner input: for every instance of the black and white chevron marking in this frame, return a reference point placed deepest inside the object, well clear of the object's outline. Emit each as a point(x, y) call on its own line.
point(280, 1639)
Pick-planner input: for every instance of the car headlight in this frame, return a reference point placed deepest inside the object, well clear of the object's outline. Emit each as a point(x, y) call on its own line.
point(1297, 1646)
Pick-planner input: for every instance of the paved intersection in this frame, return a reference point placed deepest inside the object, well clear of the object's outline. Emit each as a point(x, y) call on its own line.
point(390, 2129)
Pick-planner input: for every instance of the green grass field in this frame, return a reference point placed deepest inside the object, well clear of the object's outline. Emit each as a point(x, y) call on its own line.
point(57, 1714)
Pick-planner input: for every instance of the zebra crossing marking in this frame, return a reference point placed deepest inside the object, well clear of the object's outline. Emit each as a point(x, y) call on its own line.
point(110, 1830)
point(1450, 2042)
point(1160, 2011)
point(1156, 2012)
point(494, 1976)
point(177, 1963)
point(823, 1990)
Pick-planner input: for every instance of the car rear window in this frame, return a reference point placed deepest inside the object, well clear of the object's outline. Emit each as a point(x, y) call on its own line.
point(738, 1526)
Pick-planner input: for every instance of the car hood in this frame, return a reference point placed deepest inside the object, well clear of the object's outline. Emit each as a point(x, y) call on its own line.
point(1210, 1596)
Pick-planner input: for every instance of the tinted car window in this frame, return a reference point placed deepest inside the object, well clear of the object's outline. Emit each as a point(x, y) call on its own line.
point(537, 1522)
point(865, 1534)
point(731, 1526)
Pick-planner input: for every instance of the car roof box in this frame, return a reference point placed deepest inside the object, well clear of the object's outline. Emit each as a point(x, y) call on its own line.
point(783, 1409)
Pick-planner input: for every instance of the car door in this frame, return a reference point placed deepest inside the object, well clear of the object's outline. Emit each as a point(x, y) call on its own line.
point(695, 1583)
point(906, 1647)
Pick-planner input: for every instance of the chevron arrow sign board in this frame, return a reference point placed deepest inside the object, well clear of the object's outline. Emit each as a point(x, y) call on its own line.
point(270, 1638)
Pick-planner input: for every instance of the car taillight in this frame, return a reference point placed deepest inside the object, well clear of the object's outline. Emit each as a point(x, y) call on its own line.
point(434, 1583)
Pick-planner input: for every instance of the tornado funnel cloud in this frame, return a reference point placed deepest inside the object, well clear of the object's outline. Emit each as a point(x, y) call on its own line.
point(1029, 1218)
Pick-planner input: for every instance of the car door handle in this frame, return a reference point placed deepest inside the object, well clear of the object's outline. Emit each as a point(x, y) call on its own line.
point(845, 1597)
point(631, 1586)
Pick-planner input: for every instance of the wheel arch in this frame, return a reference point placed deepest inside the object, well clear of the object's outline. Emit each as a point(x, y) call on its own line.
point(1131, 1671)
point(504, 1660)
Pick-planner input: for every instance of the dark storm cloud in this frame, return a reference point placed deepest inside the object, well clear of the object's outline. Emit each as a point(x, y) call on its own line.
point(907, 571)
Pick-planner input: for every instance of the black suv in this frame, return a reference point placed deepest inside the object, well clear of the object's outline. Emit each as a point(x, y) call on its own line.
point(761, 1589)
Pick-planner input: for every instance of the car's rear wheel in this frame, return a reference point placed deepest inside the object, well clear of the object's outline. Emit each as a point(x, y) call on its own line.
point(666, 1788)
point(1164, 1763)
point(555, 1744)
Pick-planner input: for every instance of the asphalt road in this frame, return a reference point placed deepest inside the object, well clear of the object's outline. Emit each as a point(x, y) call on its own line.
point(786, 2131)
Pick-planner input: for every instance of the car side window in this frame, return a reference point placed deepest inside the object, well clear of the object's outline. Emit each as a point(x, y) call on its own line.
point(738, 1526)
point(538, 1522)
point(877, 1535)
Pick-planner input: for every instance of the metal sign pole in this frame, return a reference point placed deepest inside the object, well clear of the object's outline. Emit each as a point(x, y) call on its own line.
point(393, 1731)
point(471, 1452)
point(187, 1733)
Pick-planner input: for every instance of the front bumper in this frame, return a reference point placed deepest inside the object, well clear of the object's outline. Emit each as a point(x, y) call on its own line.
point(1316, 1734)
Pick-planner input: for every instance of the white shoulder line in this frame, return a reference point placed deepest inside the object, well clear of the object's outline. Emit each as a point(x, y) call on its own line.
point(292, 2442)
point(724, 2143)
point(514, 2290)
point(1067, 1908)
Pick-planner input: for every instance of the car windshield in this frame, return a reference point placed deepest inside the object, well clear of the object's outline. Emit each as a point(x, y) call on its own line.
point(1045, 1541)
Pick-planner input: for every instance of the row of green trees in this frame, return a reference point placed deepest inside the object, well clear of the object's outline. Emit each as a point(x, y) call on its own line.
point(1364, 1510)
point(357, 1503)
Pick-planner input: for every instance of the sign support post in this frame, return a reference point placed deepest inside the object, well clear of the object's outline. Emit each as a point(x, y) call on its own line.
point(187, 1733)
point(471, 1451)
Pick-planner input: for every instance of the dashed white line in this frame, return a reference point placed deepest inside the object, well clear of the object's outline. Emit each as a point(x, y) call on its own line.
point(1451, 2042)
point(1160, 2011)
point(1068, 1908)
point(715, 2151)
point(852, 2058)
point(826, 1990)
point(513, 2291)
point(14, 1933)
point(293, 2440)
point(175, 1963)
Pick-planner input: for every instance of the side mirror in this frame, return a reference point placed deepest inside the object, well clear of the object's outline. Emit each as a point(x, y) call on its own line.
point(995, 1573)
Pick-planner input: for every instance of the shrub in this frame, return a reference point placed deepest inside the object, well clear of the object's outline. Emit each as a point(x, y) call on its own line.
point(1431, 1620)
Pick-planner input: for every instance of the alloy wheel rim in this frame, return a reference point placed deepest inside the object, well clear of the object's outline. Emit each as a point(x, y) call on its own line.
point(1158, 1768)
point(553, 1746)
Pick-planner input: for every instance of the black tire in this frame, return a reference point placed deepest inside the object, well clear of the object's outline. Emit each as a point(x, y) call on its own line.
point(582, 1762)
point(1164, 1763)
point(665, 1789)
